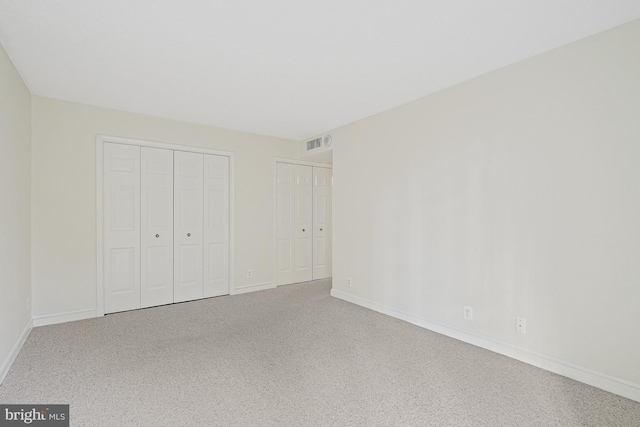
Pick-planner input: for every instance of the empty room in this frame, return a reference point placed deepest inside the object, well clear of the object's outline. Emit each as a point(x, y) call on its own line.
point(337, 213)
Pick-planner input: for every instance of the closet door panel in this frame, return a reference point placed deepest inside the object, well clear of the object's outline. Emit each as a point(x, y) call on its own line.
point(303, 204)
point(285, 223)
point(157, 226)
point(322, 187)
point(216, 225)
point(188, 226)
point(121, 227)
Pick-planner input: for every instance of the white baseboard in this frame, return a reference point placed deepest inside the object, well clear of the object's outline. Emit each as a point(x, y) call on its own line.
point(253, 288)
point(71, 316)
point(588, 376)
point(6, 364)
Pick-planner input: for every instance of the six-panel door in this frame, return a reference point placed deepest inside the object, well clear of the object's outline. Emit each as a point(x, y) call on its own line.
point(285, 224)
point(321, 223)
point(303, 228)
point(216, 225)
point(156, 237)
point(121, 227)
point(188, 227)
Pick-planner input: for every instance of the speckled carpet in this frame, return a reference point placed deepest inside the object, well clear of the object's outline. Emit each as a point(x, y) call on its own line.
point(292, 356)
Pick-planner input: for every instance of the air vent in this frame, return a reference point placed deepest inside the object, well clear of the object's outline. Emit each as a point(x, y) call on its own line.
point(326, 141)
point(314, 143)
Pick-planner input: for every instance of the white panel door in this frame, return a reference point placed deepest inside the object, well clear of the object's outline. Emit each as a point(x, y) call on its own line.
point(285, 224)
point(321, 223)
point(303, 230)
point(121, 227)
point(216, 225)
point(188, 227)
point(156, 270)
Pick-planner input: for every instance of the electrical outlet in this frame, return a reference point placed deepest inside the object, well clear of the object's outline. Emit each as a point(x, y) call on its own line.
point(467, 312)
point(249, 273)
point(349, 282)
point(521, 325)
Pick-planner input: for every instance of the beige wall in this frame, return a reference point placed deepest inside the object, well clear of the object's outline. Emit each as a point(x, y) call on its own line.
point(15, 195)
point(64, 195)
point(516, 193)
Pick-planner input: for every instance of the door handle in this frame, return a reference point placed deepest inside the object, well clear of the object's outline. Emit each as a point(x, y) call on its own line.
point(188, 234)
point(303, 230)
point(321, 229)
point(157, 235)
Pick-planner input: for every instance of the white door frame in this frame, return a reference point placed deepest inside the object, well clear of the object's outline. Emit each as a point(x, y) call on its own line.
point(100, 140)
point(274, 220)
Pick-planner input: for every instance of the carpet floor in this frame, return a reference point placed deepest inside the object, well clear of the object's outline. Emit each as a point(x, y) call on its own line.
point(291, 356)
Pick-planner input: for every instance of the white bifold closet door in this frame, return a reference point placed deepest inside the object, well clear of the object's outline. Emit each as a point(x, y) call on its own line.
point(285, 225)
point(322, 223)
point(121, 227)
point(201, 225)
point(294, 224)
point(156, 237)
point(216, 225)
point(166, 226)
point(188, 226)
point(303, 223)
point(303, 228)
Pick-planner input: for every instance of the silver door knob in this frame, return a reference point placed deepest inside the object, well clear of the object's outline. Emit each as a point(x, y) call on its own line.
point(188, 234)
point(157, 235)
point(303, 229)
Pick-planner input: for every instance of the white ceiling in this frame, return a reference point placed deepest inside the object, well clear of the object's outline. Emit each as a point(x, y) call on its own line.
point(288, 68)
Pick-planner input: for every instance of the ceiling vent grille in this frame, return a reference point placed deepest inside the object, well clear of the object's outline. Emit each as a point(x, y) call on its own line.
point(314, 143)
